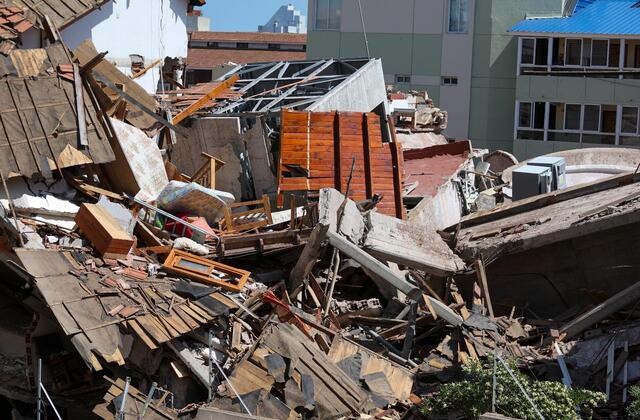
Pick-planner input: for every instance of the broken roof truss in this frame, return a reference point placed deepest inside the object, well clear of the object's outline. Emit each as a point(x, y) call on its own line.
point(296, 85)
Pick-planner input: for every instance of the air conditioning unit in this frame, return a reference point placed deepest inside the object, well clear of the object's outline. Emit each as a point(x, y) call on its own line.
point(558, 169)
point(528, 181)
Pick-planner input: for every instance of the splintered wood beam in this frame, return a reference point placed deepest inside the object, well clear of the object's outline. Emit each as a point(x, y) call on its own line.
point(610, 306)
point(146, 69)
point(482, 276)
point(81, 119)
point(206, 98)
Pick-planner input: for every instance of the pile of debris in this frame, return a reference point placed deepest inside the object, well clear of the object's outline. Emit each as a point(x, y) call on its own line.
point(267, 248)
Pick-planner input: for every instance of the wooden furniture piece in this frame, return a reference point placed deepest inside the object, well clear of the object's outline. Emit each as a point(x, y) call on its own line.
point(205, 271)
point(242, 221)
point(102, 230)
point(206, 175)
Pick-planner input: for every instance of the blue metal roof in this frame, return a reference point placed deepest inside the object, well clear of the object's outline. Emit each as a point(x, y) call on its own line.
point(597, 17)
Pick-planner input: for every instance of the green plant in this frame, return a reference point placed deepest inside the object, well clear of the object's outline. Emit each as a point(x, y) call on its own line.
point(472, 396)
point(633, 409)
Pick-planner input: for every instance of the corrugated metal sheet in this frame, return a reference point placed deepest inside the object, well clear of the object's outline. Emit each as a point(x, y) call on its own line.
point(598, 17)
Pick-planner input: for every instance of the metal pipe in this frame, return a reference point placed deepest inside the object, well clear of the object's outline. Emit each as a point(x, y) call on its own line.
point(120, 414)
point(46, 394)
point(39, 391)
point(147, 400)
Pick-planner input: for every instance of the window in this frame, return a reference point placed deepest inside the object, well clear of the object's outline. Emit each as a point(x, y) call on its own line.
point(256, 46)
point(449, 80)
point(542, 51)
point(328, 15)
point(599, 52)
point(573, 52)
point(232, 45)
point(458, 16)
point(591, 118)
point(629, 120)
point(534, 51)
point(538, 115)
point(528, 49)
point(524, 115)
point(403, 78)
point(572, 113)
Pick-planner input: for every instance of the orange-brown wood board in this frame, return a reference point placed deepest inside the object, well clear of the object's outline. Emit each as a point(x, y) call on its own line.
point(317, 150)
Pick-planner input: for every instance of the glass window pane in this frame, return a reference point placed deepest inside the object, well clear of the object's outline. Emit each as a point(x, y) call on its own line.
point(538, 115)
point(542, 50)
point(458, 16)
point(524, 119)
point(192, 266)
point(591, 118)
point(599, 52)
point(572, 117)
point(574, 48)
point(335, 11)
point(527, 51)
point(556, 119)
point(322, 14)
point(629, 120)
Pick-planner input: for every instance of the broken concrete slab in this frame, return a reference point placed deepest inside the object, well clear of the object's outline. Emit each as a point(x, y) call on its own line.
point(409, 244)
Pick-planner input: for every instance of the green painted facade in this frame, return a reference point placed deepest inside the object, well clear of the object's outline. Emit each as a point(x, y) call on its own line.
point(576, 90)
point(493, 79)
point(493, 62)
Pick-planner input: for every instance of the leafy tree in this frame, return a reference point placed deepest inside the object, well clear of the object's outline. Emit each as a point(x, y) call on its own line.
point(633, 409)
point(472, 396)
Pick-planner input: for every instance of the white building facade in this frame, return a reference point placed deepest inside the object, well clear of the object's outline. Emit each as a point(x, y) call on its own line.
point(136, 30)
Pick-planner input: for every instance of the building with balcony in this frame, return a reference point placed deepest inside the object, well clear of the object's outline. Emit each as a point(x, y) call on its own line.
point(578, 82)
point(459, 51)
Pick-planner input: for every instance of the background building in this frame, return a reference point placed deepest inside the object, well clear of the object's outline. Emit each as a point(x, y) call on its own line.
point(196, 22)
point(578, 77)
point(458, 50)
point(210, 53)
point(287, 19)
point(136, 34)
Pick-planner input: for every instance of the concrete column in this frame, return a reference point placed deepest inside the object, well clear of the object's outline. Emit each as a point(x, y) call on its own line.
point(622, 55)
point(547, 108)
point(519, 55)
point(618, 123)
point(549, 53)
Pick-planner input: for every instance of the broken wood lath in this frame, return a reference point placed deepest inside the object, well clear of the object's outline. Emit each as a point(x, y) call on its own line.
point(61, 13)
point(38, 122)
point(318, 150)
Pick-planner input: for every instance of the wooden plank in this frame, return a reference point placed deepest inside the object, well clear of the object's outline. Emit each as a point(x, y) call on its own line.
point(600, 312)
point(142, 334)
point(206, 98)
point(482, 276)
point(81, 119)
point(186, 318)
point(157, 332)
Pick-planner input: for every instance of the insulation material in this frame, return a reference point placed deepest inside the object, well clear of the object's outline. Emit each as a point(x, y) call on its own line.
point(180, 198)
point(141, 171)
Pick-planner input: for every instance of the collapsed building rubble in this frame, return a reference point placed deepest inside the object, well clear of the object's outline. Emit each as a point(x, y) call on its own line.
point(262, 245)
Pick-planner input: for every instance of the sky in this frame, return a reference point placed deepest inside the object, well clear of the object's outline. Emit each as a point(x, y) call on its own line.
point(245, 15)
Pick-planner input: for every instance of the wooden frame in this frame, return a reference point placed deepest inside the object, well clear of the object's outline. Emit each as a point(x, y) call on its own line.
point(233, 222)
point(205, 271)
point(206, 175)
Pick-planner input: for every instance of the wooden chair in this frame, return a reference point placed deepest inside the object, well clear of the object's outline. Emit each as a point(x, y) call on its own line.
point(245, 220)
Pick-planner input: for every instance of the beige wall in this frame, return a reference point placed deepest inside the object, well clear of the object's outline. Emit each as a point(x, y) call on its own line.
point(457, 53)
